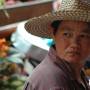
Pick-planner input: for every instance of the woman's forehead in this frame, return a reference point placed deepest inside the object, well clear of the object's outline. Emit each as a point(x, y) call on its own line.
point(75, 25)
point(78, 23)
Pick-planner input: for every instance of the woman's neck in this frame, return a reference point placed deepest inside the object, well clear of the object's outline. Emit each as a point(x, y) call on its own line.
point(77, 69)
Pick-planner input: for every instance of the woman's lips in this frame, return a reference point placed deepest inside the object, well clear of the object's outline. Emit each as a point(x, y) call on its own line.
point(74, 53)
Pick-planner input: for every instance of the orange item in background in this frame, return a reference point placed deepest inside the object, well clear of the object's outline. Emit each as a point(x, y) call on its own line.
point(4, 47)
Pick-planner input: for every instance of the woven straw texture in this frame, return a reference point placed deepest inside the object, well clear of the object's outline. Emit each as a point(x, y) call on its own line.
point(76, 10)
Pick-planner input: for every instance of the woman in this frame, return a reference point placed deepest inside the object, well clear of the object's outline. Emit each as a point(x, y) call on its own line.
point(69, 27)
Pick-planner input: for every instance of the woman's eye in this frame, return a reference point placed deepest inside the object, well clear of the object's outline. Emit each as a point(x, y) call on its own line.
point(66, 34)
point(85, 36)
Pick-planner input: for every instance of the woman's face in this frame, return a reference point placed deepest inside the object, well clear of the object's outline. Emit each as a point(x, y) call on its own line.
point(72, 41)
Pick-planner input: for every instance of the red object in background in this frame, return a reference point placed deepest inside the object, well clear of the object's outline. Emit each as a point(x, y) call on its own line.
point(24, 0)
point(10, 2)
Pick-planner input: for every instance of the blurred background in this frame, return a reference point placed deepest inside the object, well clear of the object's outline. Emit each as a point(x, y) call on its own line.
point(21, 52)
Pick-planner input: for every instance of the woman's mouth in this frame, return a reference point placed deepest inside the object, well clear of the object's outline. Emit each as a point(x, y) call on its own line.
point(74, 53)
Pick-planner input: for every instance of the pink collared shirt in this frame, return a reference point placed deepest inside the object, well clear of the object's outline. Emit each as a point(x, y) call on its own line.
point(54, 74)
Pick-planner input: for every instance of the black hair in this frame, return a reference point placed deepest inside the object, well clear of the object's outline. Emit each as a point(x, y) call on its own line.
point(88, 23)
point(55, 24)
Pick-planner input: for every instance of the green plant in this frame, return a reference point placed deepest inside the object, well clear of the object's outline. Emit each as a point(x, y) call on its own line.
point(9, 77)
point(2, 6)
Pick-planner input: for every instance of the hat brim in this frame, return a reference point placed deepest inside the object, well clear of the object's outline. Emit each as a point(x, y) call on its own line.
point(38, 26)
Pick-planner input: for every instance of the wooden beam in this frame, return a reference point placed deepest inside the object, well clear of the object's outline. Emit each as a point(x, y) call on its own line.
point(23, 12)
point(6, 33)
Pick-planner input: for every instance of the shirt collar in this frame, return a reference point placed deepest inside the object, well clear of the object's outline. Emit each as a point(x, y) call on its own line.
point(62, 64)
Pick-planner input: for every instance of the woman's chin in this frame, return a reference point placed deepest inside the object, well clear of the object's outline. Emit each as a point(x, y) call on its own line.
point(73, 59)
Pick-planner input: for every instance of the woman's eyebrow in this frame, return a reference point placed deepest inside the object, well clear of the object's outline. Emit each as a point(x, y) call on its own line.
point(66, 29)
point(86, 30)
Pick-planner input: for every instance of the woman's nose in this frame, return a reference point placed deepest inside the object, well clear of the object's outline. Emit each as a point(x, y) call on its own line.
point(75, 42)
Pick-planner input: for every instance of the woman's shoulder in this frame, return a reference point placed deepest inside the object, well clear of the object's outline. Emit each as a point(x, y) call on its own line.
point(45, 71)
point(47, 75)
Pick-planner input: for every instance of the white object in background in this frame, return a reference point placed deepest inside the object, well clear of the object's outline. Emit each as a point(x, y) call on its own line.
point(23, 40)
point(56, 4)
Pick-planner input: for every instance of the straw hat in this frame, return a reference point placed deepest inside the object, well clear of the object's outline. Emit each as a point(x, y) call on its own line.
point(77, 10)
